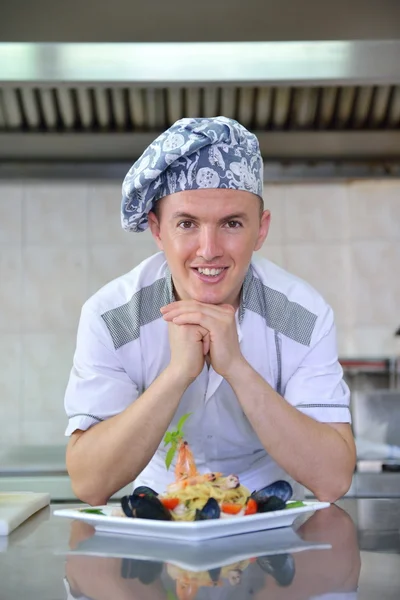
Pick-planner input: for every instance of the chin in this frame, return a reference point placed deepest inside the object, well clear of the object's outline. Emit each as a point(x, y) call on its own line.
point(208, 298)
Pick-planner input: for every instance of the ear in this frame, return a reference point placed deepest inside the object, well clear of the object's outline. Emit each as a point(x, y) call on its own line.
point(155, 229)
point(264, 228)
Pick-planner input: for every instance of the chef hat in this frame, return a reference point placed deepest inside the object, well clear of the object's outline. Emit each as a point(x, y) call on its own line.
point(192, 154)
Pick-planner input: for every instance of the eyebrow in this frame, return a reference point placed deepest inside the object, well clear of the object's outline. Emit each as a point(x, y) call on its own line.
point(232, 217)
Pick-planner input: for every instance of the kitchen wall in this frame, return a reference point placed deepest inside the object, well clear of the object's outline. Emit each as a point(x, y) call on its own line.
point(61, 241)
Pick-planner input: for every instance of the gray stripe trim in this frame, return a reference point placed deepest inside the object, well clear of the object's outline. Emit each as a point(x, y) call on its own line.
point(279, 361)
point(85, 415)
point(286, 317)
point(124, 322)
point(347, 406)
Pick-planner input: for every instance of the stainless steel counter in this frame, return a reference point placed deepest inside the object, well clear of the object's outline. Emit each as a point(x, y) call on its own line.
point(353, 550)
point(39, 469)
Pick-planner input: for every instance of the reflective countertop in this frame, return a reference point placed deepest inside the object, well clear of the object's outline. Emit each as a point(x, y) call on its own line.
point(350, 550)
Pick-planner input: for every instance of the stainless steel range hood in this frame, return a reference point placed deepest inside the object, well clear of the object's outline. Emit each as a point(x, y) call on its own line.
point(305, 100)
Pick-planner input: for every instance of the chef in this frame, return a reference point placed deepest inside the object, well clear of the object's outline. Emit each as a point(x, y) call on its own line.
point(204, 327)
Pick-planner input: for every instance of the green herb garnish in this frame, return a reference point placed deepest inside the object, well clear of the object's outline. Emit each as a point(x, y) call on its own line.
point(93, 511)
point(174, 438)
point(295, 504)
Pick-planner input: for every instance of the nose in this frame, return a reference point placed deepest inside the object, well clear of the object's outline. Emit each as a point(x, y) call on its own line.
point(209, 246)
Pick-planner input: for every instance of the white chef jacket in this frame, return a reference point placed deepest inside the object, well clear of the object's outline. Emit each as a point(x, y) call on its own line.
point(286, 332)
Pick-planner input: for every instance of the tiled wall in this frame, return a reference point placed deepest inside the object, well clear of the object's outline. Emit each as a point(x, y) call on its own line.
point(59, 242)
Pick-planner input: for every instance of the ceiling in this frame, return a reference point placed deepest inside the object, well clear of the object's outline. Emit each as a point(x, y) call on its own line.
point(208, 20)
point(332, 92)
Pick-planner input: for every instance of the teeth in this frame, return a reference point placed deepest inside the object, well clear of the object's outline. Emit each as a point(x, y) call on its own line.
point(210, 271)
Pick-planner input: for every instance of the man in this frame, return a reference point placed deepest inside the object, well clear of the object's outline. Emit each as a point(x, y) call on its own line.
point(245, 347)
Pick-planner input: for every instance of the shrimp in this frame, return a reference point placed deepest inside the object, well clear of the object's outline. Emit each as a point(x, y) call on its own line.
point(186, 590)
point(194, 480)
point(185, 465)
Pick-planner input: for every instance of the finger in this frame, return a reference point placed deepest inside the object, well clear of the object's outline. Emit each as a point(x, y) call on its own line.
point(227, 307)
point(190, 305)
point(195, 318)
point(206, 344)
point(209, 310)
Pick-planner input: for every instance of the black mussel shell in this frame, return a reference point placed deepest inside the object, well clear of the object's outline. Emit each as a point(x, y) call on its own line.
point(130, 568)
point(145, 507)
point(270, 504)
point(280, 566)
point(145, 570)
point(149, 571)
point(215, 574)
point(143, 489)
point(281, 489)
point(126, 505)
point(210, 510)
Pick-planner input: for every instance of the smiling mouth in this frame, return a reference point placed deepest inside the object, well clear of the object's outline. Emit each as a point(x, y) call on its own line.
point(212, 272)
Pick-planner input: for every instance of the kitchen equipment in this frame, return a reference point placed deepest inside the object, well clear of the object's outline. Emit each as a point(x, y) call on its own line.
point(16, 507)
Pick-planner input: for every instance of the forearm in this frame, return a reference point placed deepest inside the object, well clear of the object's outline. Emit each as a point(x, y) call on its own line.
point(111, 454)
point(313, 453)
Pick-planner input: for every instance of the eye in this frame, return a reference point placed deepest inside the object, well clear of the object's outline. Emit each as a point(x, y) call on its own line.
point(234, 224)
point(185, 224)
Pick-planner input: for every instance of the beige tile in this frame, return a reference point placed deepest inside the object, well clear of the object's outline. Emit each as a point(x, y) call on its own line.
point(326, 268)
point(54, 287)
point(374, 210)
point(10, 288)
point(374, 341)
point(376, 283)
point(43, 432)
point(10, 213)
point(56, 213)
point(345, 341)
point(274, 198)
point(106, 262)
point(47, 360)
point(316, 213)
point(105, 215)
point(10, 389)
point(273, 252)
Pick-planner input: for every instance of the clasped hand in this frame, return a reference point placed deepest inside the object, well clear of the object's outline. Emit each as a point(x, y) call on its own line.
point(197, 329)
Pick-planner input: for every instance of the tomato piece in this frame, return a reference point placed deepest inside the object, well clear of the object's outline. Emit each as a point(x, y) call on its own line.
point(251, 507)
point(231, 509)
point(170, 503)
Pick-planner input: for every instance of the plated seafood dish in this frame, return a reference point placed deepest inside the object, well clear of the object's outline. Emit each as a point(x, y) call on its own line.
point(198, 497)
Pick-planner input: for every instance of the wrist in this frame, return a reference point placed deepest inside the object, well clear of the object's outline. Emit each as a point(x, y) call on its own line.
point(236, 371)
point(179, 379)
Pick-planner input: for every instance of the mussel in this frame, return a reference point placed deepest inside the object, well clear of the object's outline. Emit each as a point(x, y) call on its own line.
point(143, 490)
point(280, 566)
point(281, 489)
point(146, 571)
point(270, 504)
point(210, 510)
point(215, 574)
point(145, 507)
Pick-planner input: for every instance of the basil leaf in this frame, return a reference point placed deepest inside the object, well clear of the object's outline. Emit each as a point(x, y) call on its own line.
point(170, 456)
point(167, 438)
point(182, 421)
point(93, 511)
point(295, 504)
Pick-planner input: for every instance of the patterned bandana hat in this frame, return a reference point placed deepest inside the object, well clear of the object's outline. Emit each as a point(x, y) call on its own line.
point(192, 154)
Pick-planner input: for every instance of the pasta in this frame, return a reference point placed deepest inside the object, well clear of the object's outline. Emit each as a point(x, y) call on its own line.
point(193, 497)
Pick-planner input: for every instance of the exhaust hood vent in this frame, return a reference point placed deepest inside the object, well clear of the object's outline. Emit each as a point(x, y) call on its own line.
point(106, 109)
point(305, 100)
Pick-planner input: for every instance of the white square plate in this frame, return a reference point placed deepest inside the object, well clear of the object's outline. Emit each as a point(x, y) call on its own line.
point(193, 530)
point(195, 557)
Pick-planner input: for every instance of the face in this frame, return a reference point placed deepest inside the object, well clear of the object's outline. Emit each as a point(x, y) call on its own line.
point(208, 237)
